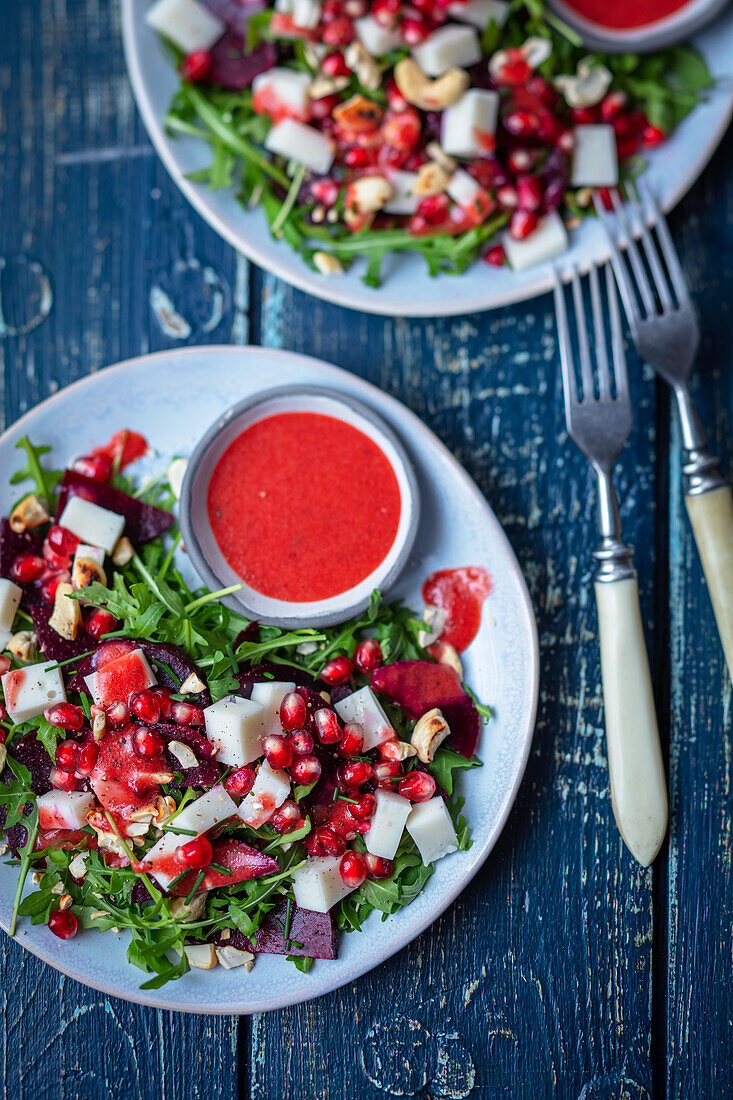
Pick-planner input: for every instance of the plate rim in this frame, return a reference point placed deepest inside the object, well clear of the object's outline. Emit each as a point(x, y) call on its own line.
point(235, 1007)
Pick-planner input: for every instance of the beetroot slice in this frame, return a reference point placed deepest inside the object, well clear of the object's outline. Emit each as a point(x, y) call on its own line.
point(53, 646)
point(30, 752)
point(418, 686)
point(206, 774)
point(241, 859)
point(180, 664)
point(143, 522)
point(313, 930)
point(232, 67)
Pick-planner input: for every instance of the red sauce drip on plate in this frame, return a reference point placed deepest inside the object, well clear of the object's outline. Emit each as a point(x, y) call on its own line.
point(625, 14)
point(124, 447)
point(303, 506)
point(460, 592)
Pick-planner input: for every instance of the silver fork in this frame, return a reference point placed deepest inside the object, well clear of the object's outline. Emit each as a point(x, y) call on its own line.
point(667, 335)
point(600, 426)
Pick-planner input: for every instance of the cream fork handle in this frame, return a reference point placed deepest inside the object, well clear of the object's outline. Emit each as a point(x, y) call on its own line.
point(638, 786)
point(711, 516)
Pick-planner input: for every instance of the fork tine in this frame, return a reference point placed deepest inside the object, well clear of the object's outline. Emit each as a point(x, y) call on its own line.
point(632, 251)
point(566, 352)
point(604, 375)
point(650, 249)
point(631, 304)
point(617, 341)
point(674, 267)
point(586, 363)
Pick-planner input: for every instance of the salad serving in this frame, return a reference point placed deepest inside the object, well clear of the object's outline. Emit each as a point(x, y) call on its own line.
point(456, 129)
point(214, 787)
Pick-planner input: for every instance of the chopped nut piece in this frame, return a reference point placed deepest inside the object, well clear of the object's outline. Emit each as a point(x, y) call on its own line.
point(230, 957)
point(328, 264)
point(192, 685)
point(57, 888)
point(427, 94)
point(397, 750)
point(99, 723)
point(78, 865)
point(358, 114)
point(29, 513)
point(432, 179)
point(165, 807)
point(3, 757)
point(369, 194)
point(359, 59)
point(437, 153)
point(434, 619)
point(448, 655)
point(66, 617)
point(186, 757)
point(185, 911)
point(4, 849)
point(327, 85)
point(429, 733)
point(137, 829)
point(36, 878)
point(123, 551)
point(85, 572)
point(23, 645)
point(65, 902)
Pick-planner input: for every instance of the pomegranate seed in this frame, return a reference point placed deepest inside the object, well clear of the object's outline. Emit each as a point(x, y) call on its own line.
point(377, 867)
point(401, 129)
point(334, 64)
point(287, 818)
point(305, 770)
point(196, 66)
point(97, 467)
point(387, 772)
point(391, 750)
point(62, 541)
point(322, 108)
point(495, 255)
point(145, 706)
point(337, 671)
point(507, 196)
point(488, 173)
point(434, 209)
point(325, 192)
point(331, 10)
point(325, 842)
point(62, 780)
point(353, 869)
point(186, 714)
point(63, 924)
point(414, 30)
point(529, 193)
point(363, 809)
point(521, 224)
point(327, 725)
point(652, 135)
point(117, 715)
point(565, 141)
point(165, 703)
point(53, 559)
point(67, 756)
point(293, 711)
point(417, 786)
point(27, 568)
point(240, 782)
point(302, 742)
point(395, 98)
point(549, 127)
point(196, 853)
point(522, 123)
point(147, 744)
point(353, 775)
point(368, 655)
point(385, 12)
point(356, 157)
point(352, 741)
point(65, 716)
point(87, 758)
point(626, 147)
point(100, 622)
point(516, 70)
point(338, 33)
point(582, 116)
point(612, 106)
point(278, 751)
point(5, 664)
point(520, 160)
point(48, 590)
point(538, 86)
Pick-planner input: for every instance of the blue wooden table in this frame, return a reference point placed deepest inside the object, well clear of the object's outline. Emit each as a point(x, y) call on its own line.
point(564, 970)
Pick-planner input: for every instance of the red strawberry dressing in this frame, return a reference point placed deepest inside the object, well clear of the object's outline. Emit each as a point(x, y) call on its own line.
point(625, 14)
point(461, 593)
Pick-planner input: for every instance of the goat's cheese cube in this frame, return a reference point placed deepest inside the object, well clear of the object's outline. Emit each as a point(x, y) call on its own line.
point(318, 885)
point(363, 708)
point(468, 128)
point(447, 47)
point(160, 861)
point(92, 524)
point(176, 474)
point(205, 812)
point(302, 143)
point(388, 823)
point(430, 826)
point(462, 188)
point(283, 89)
point(376, 39)
point(118, 679)
point(234, 726)
point(270, 694)
point(549, 239)
point(271, 788)
point(480, 12)
point(187, 23)
point(28, 691)
point(10, 597)
point(201, 956)
point(403, 201)
point(92, 553)
point(64, 809)
point(229, 957)
point(306, 13)
point(595, 157)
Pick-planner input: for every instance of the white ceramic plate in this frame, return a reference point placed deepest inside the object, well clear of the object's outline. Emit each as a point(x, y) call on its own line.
point(408, 290)
point(172, 398)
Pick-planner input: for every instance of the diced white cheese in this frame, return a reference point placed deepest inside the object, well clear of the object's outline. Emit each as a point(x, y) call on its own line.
point(480, 12)
point(467, 128)
point(205, 812)
point(430, 826)
point(202, 956)
point(288, 87)
point(363, 708)
point(549, 239)
point(271, 788)
point(462, 189)
point(160, 853)
point(229, 957)
point(388, 824)
point(284, 7)
point(187, 23)
point(64, 809)
point(270, 694)
point(595, 158)
point(403, 201)
point(92, 524)
point(447, 47)
point(28, 691)
point(318, 885)
point(10, 597)
point(93, 553)
point(234, 726)
point(302, 143)
point(376, 39)
point(306, 13)
point(139, 670)
point(176, 474)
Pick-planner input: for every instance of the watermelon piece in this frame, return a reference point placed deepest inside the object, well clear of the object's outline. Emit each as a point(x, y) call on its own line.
point(232, 67)
point(143, 522)
point(53, 646)
point(418, 686)
point(241, 859)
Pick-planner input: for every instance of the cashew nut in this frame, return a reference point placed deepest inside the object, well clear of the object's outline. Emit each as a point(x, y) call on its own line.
point(432, 179)
point(448, 655)
point(361, 62)
point(99, 723)
point(123, 551)
point(396, 750)
point(185, 756)
point(429, 95)
point(66, 616)
point(436, 152)
point(369, 194)
point(85, 572)
point(192, 685)
point(433, 623)
point(327, 263)
point(23, 645)
point(29, 513)
point(429, 733)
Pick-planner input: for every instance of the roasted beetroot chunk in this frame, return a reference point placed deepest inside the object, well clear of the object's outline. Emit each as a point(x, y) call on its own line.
point(311, 934)
point(233, 68)
point(143, 522)
point(418, 686)
point(258, 674)
point(206, 774)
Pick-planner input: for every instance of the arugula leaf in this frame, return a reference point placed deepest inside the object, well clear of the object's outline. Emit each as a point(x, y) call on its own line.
point(44, 480)
point(16, 793)
point(445, 762)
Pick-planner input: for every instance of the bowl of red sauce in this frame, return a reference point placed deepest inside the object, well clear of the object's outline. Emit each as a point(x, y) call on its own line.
point(306, 498)
point(636, 26)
